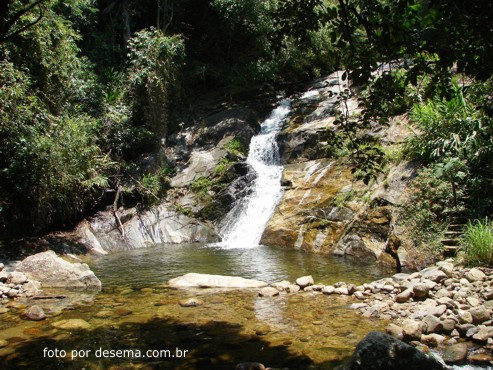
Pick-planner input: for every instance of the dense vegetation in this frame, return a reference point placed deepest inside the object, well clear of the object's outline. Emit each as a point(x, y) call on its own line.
point(87, 87)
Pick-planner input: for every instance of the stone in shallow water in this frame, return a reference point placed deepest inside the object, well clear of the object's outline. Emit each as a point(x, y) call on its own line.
point(103, 314)
point(71, 324)
point(455, 354)
point(268, 292)
point(35, 313)
point(191, 302)
point(282, 285)
point(304, 281)
point(193, 280)
point(293, 288)
point(3, 343)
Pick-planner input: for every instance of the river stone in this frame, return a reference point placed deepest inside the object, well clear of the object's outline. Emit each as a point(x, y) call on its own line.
point(434, 274)
point(193, 280)
point(475, 275)
point(473, 301)
point(104, 314)
point(432, 340)
point(483, 333)
point(190, 302)
point(395, 331)
point(448, 325)
point(32, 287)
point(404, 296)
point(268, 292)
point(71, 324)
point(341, 291)
point(381, 351)
point(400, 277)
point(282, 285)
point(293, 288)
point(446, 267)
point(329, 289)
point(54, 272)
point(479, 314)
point(35, 313)
point(455, 354)
point(3, 310)
point(304, 281)
point(420, 290)
point(431, 324)
point(250, 366)
point(17, 278)
point(411, 329)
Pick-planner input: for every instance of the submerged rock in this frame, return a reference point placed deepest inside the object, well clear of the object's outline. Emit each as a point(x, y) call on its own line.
point(35, 313)
point(381, 351)
point(53, 271)
point(193, 280)
point(190, 302)
point(71, 324)
point(455, 354)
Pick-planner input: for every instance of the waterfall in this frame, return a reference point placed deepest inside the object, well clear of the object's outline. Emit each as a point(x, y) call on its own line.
point(244, 225)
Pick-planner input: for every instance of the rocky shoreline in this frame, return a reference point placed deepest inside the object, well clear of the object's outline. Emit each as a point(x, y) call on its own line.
point(445, 307)
point(42, 270)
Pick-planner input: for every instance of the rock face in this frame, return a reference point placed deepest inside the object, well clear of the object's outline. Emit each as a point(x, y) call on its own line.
point(193, 280)
point(53, 271)
point(381, 351)
point(322, 209)
point(160, 224)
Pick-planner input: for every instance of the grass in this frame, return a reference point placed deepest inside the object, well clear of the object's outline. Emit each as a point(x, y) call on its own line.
point(236, 147)
point(478, 243)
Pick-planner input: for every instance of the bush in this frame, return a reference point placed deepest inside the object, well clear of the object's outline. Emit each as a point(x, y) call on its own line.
point(478, 243)
point(448, 128)
point(423, 211)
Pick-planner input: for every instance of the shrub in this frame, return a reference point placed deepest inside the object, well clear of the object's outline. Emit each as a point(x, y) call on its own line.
point(236, 147)
point(478, 243)
point(423, 211)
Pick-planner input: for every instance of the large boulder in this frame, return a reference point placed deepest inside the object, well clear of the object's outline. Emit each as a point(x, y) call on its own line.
point(193, 280)
point(53, 271)
point(381, 351)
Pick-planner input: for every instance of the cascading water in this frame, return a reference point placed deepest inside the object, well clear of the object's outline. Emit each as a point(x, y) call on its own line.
point(245, 224)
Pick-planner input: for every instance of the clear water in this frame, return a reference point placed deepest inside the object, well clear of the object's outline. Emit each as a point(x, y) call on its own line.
point(244, 225)
point(141, 268)
point(136, 310)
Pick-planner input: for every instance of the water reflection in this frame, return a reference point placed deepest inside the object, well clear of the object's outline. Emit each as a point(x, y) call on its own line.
point(156, 265)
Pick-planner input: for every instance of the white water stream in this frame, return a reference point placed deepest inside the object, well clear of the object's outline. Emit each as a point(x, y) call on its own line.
point(245, 224)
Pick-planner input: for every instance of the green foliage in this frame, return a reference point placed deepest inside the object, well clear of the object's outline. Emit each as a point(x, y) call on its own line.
point(223, 165)
point(155, 61)
point(423, 212)
point(478, 243)
point(50, 165)
point(236, 147)
point(448, 128)
point(153, 186)
point(342, 198)
point(201, 186)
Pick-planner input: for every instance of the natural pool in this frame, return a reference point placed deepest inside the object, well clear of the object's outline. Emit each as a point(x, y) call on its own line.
point(136, 310)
